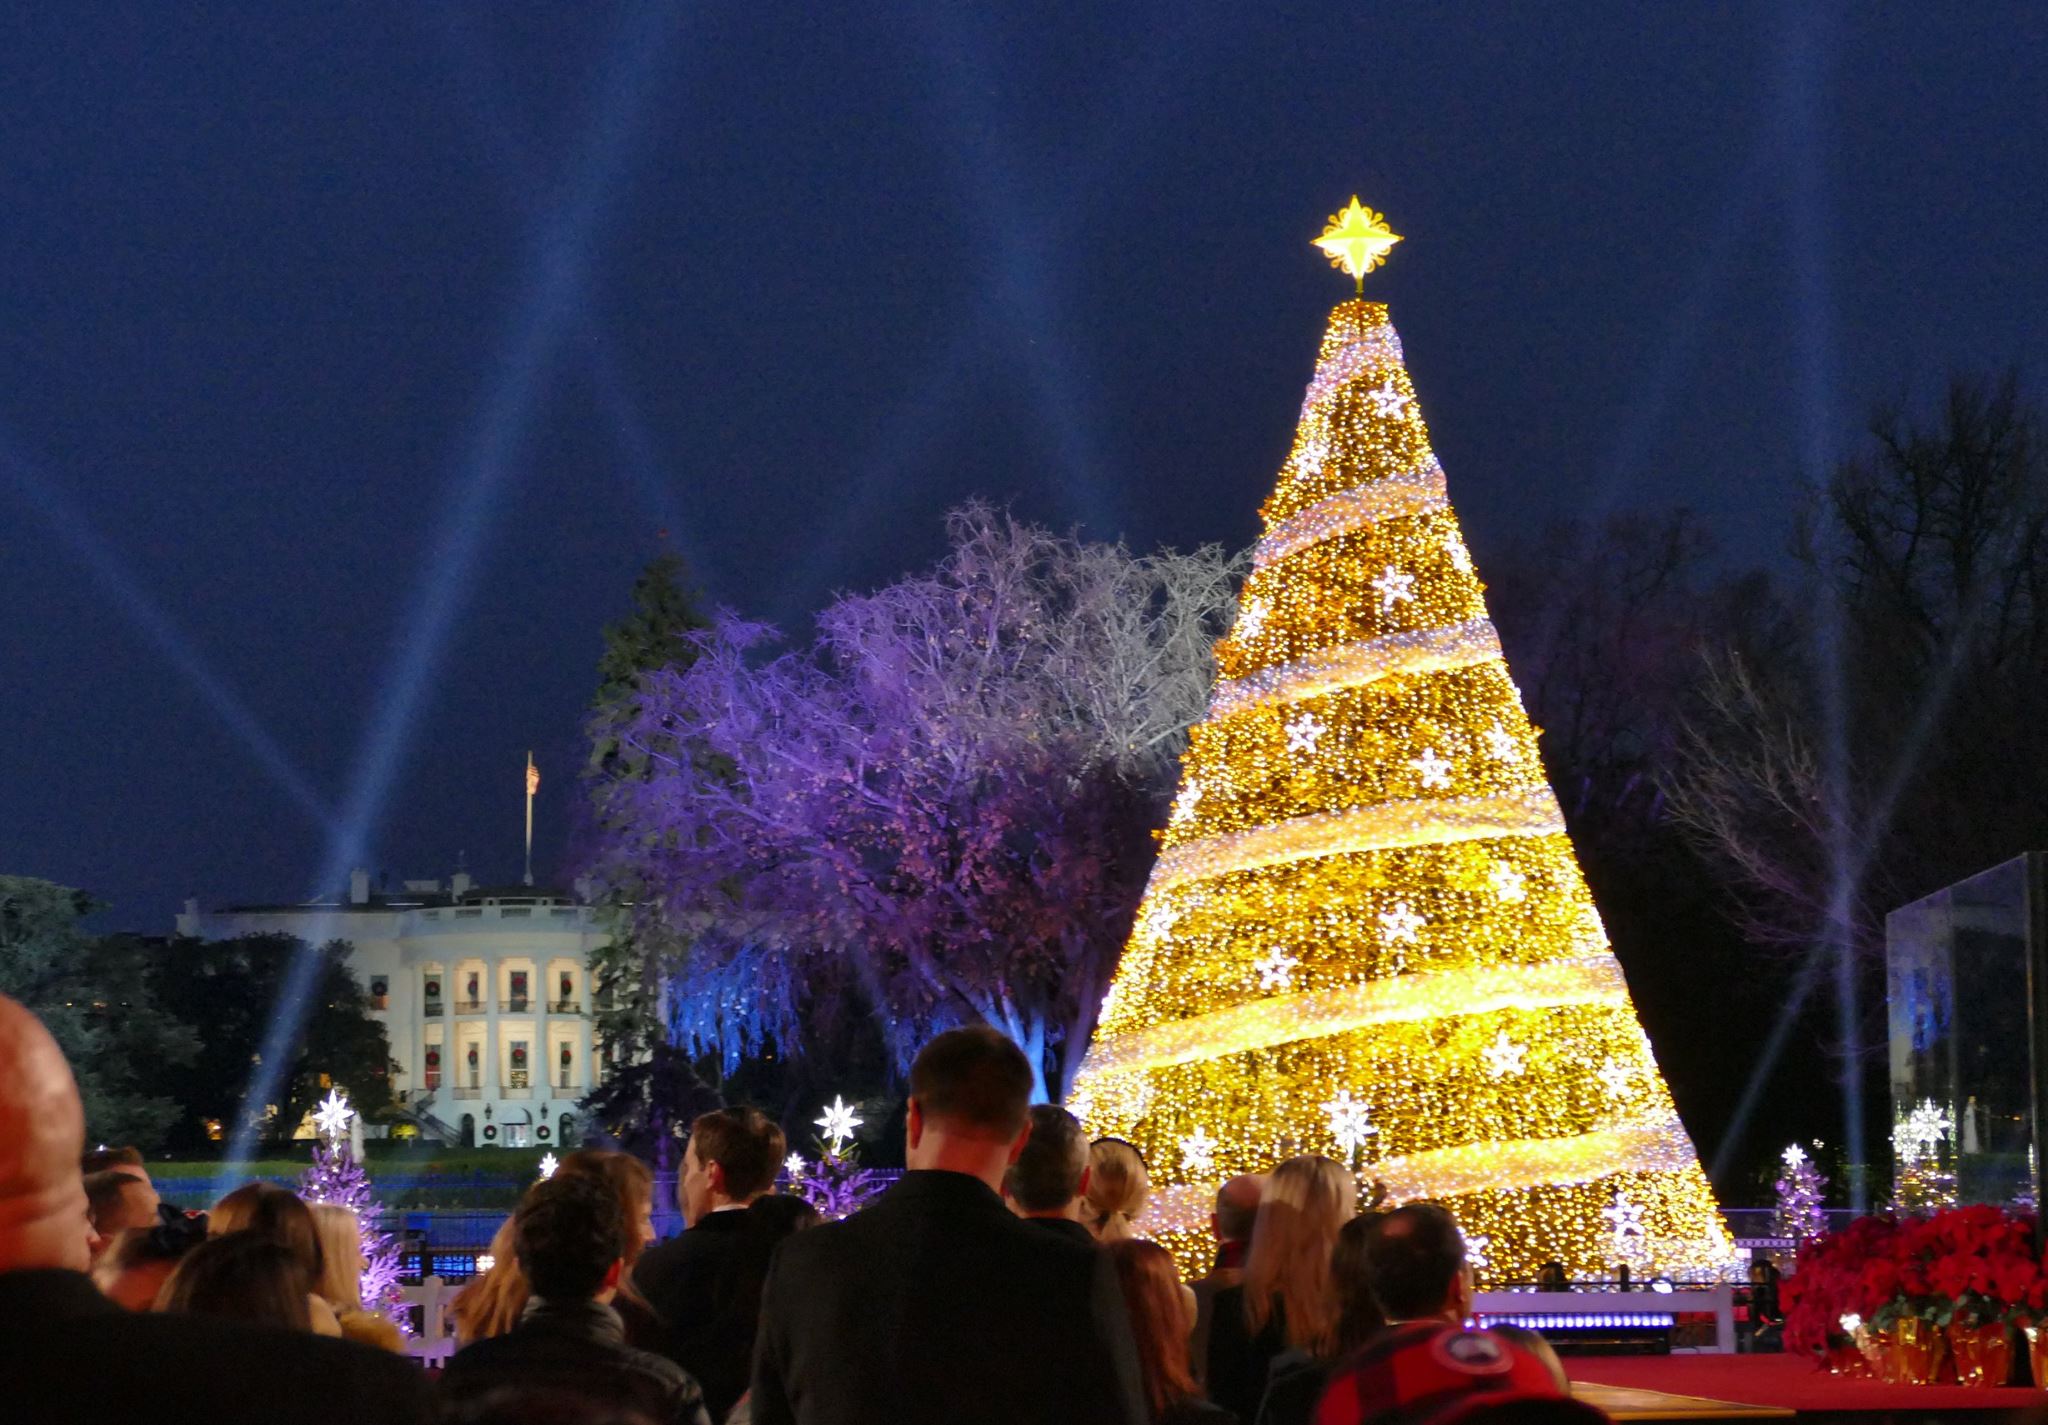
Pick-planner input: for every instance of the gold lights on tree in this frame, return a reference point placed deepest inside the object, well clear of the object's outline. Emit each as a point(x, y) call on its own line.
point(1367, 935)
point(1357, 240)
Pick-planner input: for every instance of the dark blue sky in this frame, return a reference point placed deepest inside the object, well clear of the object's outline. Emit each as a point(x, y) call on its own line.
point(351, 357)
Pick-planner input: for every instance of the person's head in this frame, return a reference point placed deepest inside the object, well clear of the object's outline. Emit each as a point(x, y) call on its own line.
point(732, 1158)
point(243, 1276)
point(1306, 1202)
point(969, 1092)
point(1417, 1262)
point(776, 1215)
point(490, 1305)
point(1160, 1322)
point(131, 1272)
point(1550, 1277)
point(1051, 1174)
point(104, 1159)
point(1358, 1311)
point(570, 1238)
point(1237, 1208)
point(43, 1221)
point(1118, 1186)
point(276, 1215)
point(119, 1200)
point(633, 1183)
point(341, 1256)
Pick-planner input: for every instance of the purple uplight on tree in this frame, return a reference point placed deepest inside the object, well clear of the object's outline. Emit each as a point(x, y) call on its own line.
point(336, 1177)
point(1802, 1195)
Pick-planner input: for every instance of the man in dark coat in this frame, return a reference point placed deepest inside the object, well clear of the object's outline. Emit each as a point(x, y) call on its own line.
point(570, 1235)
point(935, 1303)
point(1049, 1181)
point(705, 1283)
point(69, 1354)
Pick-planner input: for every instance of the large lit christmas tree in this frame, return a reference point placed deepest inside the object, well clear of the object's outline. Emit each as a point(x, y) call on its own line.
point(1367, 934)
point(337, 1176)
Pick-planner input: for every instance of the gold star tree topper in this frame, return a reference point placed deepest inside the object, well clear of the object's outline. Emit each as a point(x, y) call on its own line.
point(1357, 240)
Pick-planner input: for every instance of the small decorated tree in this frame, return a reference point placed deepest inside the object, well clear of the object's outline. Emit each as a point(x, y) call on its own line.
point(837, 1185)
point(1802, 1196)
point(337, 1177)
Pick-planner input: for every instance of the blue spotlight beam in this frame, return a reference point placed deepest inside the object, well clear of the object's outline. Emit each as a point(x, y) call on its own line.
point(42, 496)
point(558, 261)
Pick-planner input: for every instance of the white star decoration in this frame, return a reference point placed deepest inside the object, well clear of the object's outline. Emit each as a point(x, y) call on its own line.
point(1314, 452)
point(1500, 742)
point(1350, 1122)
point(1394, 588)
point(1794, 1156)
point(1198, 1153)
point(1508, 884)
point(1276, 970)
point(1504, 1056)
point(1460, 556)
point(838, 1124)
point(1435, 771)
point(1614, 1077)
point(1304, 733)
point(794, 1165)
point(1251, 617)
point(548, 1163)
point(332, 1116)
point(1400, 923)
point(1184, 804)
point(1159, 921)
point(1387, 401)
point(1625, 1220)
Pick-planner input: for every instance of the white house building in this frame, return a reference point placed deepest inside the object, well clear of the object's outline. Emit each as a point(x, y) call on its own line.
point(484, 992)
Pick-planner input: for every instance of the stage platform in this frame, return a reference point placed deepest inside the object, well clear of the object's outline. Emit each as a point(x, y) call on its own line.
point(1754, 1388)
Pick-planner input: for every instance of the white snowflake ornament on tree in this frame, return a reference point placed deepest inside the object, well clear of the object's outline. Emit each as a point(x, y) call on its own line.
point(1478, 1251)
point(1400, 924)
point(1303, 733)
point(1435, 771)
point(1500, 743)
point(1350, 1122)
point(1388, 401)
point(1250, 619)
point(1198, 1153)
point(1458, 554)
point(1625, 1221)
point(1275, 969)
point(1505, 1058)
point(1394, 588)
point(794, 1165)
point(837, 1125)
point(332, 1116)
point(1507, 883)
point(1190, 797)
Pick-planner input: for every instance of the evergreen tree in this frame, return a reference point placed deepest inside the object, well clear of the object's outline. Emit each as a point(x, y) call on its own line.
point(1367, 934)
point(1802, 1197)
point(336, 1177)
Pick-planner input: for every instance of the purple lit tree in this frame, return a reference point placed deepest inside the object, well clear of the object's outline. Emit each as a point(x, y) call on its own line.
point(335, 1176)
point(1802, 1197)
point(944, 804)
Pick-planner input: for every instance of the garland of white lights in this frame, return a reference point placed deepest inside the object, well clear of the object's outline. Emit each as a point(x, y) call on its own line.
point(1284, 1019)
point(1429, 821)
point(1655, 1145)
point(1378, 346)
point(1352, 665)
point(1410, 492)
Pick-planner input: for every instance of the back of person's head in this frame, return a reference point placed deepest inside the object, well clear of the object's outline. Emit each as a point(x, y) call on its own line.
point(1359, 1317)
point(103, 1158)
point(1237, 1207)
point(1118, 1187)
point(538, 1405)
point(568, 1235)
point(1047, 1174)
point(136, 1264)
point(780, 1214)
point(631, 1180)
point(276, 1215)
point(117, 1200)
point(972, 1083)
point(242, 1276)
point(42, 1134)
point(745, 1143)
point(491, 1304)
point(765, 1224)
point(1438, 1372)
point(1159, 1320)
point(1287, 1271)
point(341, 1256)
point(1416, 1260)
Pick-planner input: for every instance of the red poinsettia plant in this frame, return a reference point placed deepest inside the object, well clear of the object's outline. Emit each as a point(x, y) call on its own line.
point(1971, 1264)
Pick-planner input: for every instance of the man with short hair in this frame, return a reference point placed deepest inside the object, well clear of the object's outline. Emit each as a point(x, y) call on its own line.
point(1049, 1180)
point(68, 1353)
point(696, 1281)
point(570, 1237)
point(935, 1303)
point(1237, 1211)
point(116, 1200)
point(1426, 1359)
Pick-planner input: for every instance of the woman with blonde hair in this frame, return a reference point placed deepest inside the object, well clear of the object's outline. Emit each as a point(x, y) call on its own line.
point(279, 1216)
point(1288, 1298)
point(341, 1278)
point(1118, 1187)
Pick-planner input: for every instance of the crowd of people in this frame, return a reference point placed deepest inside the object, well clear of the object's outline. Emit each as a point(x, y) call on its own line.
point(1003, 1278)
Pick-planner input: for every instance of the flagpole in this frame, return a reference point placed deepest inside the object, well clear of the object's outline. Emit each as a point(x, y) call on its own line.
point(532, 786)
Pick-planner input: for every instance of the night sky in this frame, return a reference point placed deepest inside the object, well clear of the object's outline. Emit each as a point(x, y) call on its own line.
point(354, 358)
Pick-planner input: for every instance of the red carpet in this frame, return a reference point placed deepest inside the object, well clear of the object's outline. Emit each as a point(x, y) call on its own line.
point(1787, 1382)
